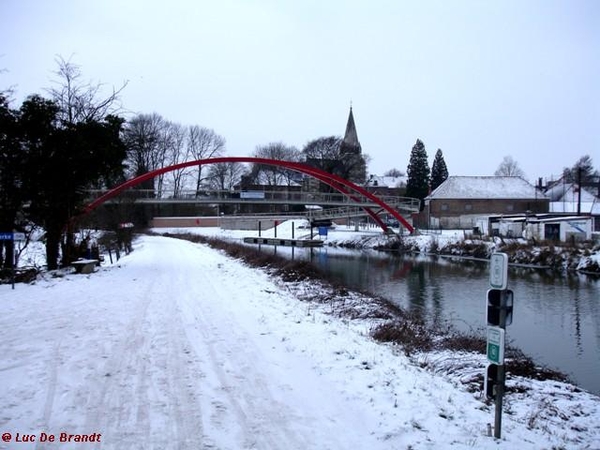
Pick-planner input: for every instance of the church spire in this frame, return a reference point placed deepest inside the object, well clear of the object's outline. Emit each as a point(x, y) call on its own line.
point(350, 143)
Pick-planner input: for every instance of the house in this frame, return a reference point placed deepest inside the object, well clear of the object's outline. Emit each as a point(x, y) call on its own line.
point(565, 198)
point(383, 185)
point(464, 202)
point(551, 227)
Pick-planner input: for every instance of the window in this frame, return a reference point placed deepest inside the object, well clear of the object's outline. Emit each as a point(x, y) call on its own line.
point(510, 207)
point(468, 207)
point(444, 207)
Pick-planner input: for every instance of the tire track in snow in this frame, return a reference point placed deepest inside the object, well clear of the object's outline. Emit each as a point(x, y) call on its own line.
point(252, 413)
point(146, 398)
point(106, 408)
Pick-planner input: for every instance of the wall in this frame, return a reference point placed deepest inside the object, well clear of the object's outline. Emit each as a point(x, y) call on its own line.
point(184, 222)
point(463, 214)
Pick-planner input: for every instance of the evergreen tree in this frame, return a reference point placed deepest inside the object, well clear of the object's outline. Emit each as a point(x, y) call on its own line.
point(62, 162)
point(583, 164)
point(417, 185)
point(439, 171)
point(11, 173)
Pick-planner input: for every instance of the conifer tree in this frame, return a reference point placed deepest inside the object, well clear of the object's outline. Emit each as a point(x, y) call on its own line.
point(439, 171)
point(417, 185)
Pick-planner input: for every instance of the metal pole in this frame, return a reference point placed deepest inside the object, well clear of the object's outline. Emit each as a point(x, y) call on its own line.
point(579, 191)
point(14, 263)
point(501, 374)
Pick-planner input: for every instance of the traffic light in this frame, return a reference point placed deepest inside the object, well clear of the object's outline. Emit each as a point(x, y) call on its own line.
point(491, 380)
point(497, 300)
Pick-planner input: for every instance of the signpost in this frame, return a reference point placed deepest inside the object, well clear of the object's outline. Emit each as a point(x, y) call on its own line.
point(499, 270)
point(495, 345)
point(12, 236)
point(499, 309)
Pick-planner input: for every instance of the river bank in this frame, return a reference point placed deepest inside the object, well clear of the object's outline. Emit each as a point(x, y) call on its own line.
point(456, 357)
point(419, 338)
point(581, 257)
point(198, 340)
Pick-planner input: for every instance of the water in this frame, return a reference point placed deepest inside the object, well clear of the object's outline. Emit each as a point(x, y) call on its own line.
point(556, 319)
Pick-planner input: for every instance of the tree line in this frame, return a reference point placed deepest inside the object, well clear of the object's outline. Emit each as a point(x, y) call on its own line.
point(55, 149)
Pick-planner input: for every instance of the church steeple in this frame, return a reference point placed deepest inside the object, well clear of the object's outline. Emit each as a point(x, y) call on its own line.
point(350, 143)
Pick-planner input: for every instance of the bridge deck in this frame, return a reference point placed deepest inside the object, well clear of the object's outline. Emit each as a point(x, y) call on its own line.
point(401, 204)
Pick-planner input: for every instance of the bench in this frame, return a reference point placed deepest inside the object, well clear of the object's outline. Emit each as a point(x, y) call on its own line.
point(84, 266)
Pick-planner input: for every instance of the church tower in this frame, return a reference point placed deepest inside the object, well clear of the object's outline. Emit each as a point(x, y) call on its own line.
point(350, 144)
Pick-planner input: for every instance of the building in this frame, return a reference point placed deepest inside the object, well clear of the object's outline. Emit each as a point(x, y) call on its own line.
point(566, 198)
point(464, 202)
point(551, 227)
point(383, 185)
point(346, 161)
point(350, 144)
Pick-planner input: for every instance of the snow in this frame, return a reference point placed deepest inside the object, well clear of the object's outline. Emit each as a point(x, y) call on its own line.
point(462, 187)
point(179, 346)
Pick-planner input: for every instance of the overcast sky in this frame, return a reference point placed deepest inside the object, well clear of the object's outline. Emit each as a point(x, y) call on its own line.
point(478, 79)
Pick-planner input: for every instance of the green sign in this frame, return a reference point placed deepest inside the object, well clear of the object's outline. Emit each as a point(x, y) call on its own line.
point(495, 345)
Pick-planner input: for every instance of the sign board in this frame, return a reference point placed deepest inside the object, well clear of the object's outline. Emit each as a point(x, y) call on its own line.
point(12, 236)
point(495, 345)
point(499, 270)
point(252, 194)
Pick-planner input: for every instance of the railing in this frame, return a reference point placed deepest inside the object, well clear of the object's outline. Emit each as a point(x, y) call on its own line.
point(401, 204)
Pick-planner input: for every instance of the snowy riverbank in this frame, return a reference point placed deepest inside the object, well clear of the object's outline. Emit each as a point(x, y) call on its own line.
point(583, 258)
point(179, 346)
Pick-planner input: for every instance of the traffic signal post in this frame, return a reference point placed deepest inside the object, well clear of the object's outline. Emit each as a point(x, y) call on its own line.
point(498, 316)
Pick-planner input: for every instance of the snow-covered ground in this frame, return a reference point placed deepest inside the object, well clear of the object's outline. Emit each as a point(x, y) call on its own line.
point(177, 346)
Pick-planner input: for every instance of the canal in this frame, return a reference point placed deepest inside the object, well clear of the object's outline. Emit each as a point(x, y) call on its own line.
point(556, 319)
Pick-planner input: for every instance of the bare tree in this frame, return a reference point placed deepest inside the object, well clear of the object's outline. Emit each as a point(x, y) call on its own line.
point(224, 176)
point(394, 173)
point(273, 175)
point(174, 140)
point(325, 153)
point(144, 138)
point(81, 101)
point(509, 168)
point(203, 143)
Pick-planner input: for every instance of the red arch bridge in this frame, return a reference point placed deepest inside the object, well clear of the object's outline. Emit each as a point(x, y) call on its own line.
point(355, 195)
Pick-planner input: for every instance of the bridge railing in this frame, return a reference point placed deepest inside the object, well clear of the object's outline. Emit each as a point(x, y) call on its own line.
point(256, 196)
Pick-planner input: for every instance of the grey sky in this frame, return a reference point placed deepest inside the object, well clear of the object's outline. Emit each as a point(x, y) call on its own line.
point(478, 79)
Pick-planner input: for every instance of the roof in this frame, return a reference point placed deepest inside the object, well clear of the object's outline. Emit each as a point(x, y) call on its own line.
point(389, 182)
point(350, 141)
point(464, 187)
point(567, 192)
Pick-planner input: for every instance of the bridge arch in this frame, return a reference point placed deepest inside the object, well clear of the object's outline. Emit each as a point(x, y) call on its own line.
point(349, 189)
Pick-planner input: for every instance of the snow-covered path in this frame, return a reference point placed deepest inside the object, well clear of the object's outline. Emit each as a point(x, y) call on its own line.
point(161, 357)
point(180, 347)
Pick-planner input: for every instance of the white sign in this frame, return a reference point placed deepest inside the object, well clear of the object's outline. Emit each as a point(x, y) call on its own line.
point(495, 345)
point(499, 270)
point(252, 194)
